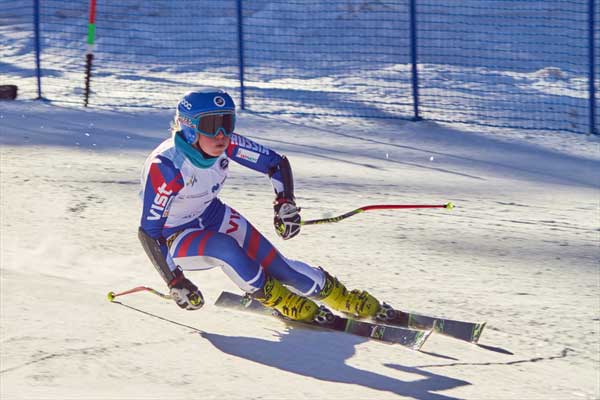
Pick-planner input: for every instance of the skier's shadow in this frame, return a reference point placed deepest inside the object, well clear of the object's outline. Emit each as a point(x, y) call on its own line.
point(322, 355)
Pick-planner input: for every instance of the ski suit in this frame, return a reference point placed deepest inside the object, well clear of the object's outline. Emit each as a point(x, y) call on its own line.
point(197, 231)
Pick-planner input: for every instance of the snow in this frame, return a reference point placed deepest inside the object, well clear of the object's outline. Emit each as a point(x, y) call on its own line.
point(520, 251)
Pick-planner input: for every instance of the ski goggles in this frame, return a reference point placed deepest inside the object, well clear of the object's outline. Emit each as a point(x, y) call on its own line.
point(211, 124)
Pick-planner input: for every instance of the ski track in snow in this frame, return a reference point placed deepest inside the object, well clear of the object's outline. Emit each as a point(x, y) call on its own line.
point(520, 250)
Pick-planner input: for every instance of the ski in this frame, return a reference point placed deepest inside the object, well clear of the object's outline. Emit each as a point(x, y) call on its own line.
point(467, 331)
point(410, 338)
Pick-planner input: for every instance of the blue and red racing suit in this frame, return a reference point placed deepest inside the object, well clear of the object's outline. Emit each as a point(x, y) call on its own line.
point(196, 231)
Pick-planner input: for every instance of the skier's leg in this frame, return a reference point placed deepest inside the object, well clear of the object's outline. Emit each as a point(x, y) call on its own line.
point(195, 249)
point(305, 279)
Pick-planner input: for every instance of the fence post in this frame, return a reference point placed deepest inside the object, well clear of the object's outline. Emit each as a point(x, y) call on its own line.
point(36, 28)
point(413, 59)
point(592, 84)
point(241, 52)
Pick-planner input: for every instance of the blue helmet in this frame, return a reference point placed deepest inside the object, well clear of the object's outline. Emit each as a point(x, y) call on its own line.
point(206, 113)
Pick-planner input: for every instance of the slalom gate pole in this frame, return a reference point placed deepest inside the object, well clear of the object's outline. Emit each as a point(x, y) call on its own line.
point(89, 57)
point(339, 218)
point(111, 295)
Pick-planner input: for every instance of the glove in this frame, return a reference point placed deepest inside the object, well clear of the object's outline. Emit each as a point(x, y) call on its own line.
point(184, 292)
point(287, 218)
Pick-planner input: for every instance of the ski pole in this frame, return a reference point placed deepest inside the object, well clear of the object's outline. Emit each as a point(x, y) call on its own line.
point(111, 295)
point(449, 206)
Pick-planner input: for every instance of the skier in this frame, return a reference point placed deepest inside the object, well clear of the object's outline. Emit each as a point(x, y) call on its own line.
point(185, 227)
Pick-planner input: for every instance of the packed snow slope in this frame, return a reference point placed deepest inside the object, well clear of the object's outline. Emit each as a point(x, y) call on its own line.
point(520, 251)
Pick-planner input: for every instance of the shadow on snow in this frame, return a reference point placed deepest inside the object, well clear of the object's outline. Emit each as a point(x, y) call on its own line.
point(323, 355)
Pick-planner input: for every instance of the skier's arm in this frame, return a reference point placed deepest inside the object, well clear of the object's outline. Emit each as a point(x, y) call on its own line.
point(282, 174)
point(287, 215)
point(263, 159)
point(155, 251)
point(259, 158)
point(163, 182)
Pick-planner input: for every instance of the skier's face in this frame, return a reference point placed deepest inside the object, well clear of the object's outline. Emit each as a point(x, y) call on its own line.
point(213, 146)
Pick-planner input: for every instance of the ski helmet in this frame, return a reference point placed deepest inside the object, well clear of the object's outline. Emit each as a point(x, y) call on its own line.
point(206, 113)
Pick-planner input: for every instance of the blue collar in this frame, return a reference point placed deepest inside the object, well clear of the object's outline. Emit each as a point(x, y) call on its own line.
point(193, 154)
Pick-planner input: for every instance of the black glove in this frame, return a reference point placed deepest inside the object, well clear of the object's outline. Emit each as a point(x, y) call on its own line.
point(184, 292)
point(287, 218)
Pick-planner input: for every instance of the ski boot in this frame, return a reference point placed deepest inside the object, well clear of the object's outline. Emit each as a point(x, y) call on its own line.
point(289, 305)
point(356, 303)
